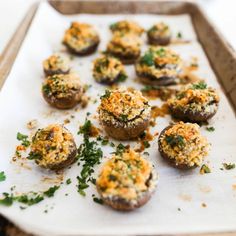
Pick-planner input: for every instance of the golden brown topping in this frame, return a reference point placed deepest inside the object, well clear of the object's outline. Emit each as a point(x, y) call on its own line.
point(124, 44)
point(184, 143)
point(126, 26)
point(108, 68)
point(123, 104)
point(158, 62)
point(80, 36)
point(195, 96)
point(51, 145)
point(126, 176)
point(56, 62)
point(62, 85)
point(159, 30)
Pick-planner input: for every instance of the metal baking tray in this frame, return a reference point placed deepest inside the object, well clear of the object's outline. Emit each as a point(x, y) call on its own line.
point(221, 55)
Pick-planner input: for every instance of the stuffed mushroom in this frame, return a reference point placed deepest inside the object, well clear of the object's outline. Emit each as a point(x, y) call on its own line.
point(53, 147)
point(126, 26)
point(81, 39)
point(194, 103)
point(182, 145)
point(159, 66)
point(159, 34)
point(124, 114)
point(108, 70)
point(56, 64)
point(126, 47)
point(63, 91)
point(126, 181)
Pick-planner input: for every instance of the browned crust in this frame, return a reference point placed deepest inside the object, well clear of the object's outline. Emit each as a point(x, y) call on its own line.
point(171, 161)
point(191, 115)
point(87, 51)
point(125, 132)
point(64, 103)
point(121, 204)
point(161, 81)
point(55, 72)
point(163, 41)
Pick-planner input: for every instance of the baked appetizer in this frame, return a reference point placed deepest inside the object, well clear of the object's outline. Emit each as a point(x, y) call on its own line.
point(124, 114)
point(56, 64)
point(108, 70)
point(126, 26)
point(194, 103)
point(126, 181)
point(62, 91)
point(182, 145)
point(53, 147)
point(159, 34)
point(125, 46)
point(81, 39)
point(159, 66)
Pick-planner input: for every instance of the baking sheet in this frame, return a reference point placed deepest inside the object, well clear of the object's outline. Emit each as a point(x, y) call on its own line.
point(21, 101)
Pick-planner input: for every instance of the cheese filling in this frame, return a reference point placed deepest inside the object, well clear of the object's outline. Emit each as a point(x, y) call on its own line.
point(184, 143)
point(52, 145)
point(128, 177)
point(159, 62)
point(56, 62)
point(159, 30)
point(107, 68)
point(126, 27)
point(196, 97)
point(124, 44)
point(62, 86)
point(123, 106)
point(80, 36)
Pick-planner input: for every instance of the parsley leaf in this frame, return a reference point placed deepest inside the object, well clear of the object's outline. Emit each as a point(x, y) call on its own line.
point(229, 166)
point(50, 192)
point(2, 176)
point(200, 85)
point(24, 138)
point(205, 169)
point(210, 129)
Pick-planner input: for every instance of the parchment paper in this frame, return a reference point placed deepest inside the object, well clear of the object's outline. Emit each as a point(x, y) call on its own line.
point(21, 101)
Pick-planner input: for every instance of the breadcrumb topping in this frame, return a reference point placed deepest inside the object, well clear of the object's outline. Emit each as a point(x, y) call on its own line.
point(52, 145)
point(56, 62)
point(80, 36)
point(123, 105)
point(107, 68)
point(197, 97)
point(128, 176)
point(159, 30)
point(62, 86)
point(184, 143)
point(127, 26)
point(124, 44)
point(159, 62)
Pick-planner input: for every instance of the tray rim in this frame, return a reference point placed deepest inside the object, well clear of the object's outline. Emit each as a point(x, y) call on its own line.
point(7, 58)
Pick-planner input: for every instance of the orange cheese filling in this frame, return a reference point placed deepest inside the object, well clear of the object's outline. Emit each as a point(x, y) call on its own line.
point(125, 176)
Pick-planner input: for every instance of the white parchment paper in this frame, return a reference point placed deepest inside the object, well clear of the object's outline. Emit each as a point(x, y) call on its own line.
point(21, 101)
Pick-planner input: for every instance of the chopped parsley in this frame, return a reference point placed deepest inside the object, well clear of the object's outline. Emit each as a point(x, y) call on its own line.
point(179, 35)
point(228, 166)
point(2, 176)
point(113, 26)
point(90, 155)
point(205, 169)
point(146, 144)
point(147, 59)
point(97, 200)
point(150, 87)
point(50, 192)
point(122, 77)
point(120, 149)
point(106, 95)
point(175, 140)
point(85, 129)
point(68, 181)
point(46, 89)
point(34, 156)
point(210, 129)
point(200, 85)
point(24, 139)
point(28, 199)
